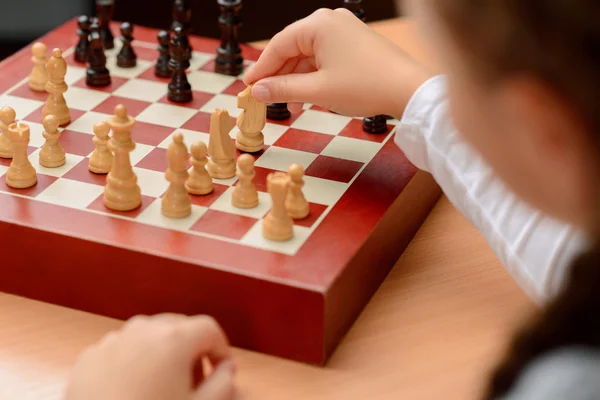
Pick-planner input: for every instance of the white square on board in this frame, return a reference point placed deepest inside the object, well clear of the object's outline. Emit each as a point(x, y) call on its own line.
point(166, 115)
point(85, 123)
point(209, 82)
point(72, 160)
point(322, 122)
point(74, 74)
point(222, 101)
point(189, 137)
point(223, 203)
point(255, 238)
point(84, 99)
point(129, 73)
point(71, 193)
point(152, 183)
point(141, 150)
point(152, 215)
point(352, 149)
point(142, 89)
point(36, 139)
point(280, 158)
point(199, 59)
point(3, 170)
point(23, 107)
point(323, 191)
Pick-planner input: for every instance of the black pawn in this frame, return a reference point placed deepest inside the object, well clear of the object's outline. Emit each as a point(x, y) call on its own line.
point(182, 14)
point(376, 124)
point(126, 57)
point(278, 111)
point(356, 7)
point(97, 74)
point(180, 90)
point(104, 11)
point(229, 59)
point(83, 31)
point(162, 63)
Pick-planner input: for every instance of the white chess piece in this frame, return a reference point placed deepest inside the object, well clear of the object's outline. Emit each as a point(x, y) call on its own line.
point(102, 158)
point(245, 195)
point(176, 202)
point(7, 117)
point(20, 174)
point(199, 181)
point(250, 122)
point(278, 225)
point(39, 75)
point(220, 146)
point(52, 155)
point(296, 203)
point(56, 86)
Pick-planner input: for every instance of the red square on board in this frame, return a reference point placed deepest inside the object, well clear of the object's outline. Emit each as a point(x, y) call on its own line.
point(115, 83)
point(6, 161)
point(206, 200)
point(354, 130)
point(199, 99)
point(200, 122)
point(81, 173)
point(156, 160)
point(335, 169)
point(309, 141)
point(315, 212)
point(98, 205)
point(77, 143)
point(235, 88)
point(43, 181)
point(70, 59)
point(144, 53)
point(150, 134)
point(36, 116)
point(134, 107)
point(224, 224)
point(151, 76)
point(25, 92)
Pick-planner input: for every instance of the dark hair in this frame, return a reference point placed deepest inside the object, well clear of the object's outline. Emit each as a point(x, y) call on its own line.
point(558, 42)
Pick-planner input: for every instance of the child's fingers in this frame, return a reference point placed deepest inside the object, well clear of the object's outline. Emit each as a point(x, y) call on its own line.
point(219, 386)
point(202, 336)
point(292, 88)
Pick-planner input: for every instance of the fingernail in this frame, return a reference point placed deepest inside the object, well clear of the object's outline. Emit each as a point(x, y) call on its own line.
point(260, 92)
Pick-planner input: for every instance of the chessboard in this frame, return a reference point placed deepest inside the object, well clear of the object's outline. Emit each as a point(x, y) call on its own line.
point(294, 299)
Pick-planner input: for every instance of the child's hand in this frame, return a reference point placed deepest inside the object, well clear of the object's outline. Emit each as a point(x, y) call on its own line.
point(334, 60)
point(154, 358)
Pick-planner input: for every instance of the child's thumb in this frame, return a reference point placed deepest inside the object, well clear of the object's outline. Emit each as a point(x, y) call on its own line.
point(219, 385)
point(292, 88)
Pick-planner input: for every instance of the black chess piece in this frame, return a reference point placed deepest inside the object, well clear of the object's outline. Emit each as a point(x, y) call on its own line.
point(356, 7)
point(182, 13)
point(162, 63)
point(229, 59)
point(126, 57)
point(97, 74)
point(376, 124)
point(105, 10)
point(278, 111)
point(83, 45)
point(180, 90)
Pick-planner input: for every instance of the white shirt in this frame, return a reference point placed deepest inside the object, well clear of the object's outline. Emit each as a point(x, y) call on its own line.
point(534, 248)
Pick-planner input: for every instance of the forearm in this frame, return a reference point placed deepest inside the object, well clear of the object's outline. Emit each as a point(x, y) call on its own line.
point(535, 249)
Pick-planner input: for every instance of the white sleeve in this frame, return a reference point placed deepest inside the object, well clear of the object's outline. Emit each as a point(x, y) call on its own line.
point(535, 249)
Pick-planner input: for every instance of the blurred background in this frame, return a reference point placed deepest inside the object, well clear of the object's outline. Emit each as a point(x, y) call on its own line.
point(23, 21)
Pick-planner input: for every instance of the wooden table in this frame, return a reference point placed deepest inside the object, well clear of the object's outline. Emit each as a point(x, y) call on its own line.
point(432, 330)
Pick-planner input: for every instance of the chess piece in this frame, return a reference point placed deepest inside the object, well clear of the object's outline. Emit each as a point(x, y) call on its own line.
point(250, 122)
point(39, 75)
point(199, 181)
point(83, 45)
point(56, 86)
point(229, 59)
point(97, 75)
point(180, 90)
point(182, 14)
point(121, 192)
point(162, 63)
point(102, 158)
point(7, 117)
point(176, 202)
point(295, 202)
point(126, 57)
point(220, 146)
point(105, 10)
point(52, 155)
point(245, 195)
point(278, 111)
point(356, 7)
point(375, 125)
point(20, 174)
point(278, 225)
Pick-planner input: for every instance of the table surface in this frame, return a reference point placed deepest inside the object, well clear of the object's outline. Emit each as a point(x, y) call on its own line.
point(433, 329)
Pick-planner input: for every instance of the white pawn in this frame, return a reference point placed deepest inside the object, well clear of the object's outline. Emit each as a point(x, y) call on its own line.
point(245, 195)
point(7, 117)
point(39, 75)
point(102, 158)
point(295, 202)
point(176, 202)
point(199, 181)
point(52, 155)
